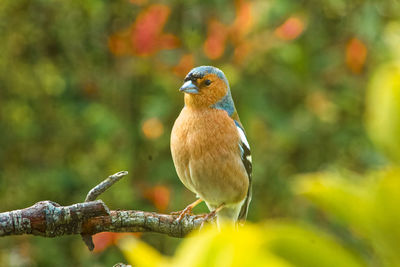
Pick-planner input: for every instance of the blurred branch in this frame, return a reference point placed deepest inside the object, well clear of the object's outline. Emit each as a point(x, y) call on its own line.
point(49, 219)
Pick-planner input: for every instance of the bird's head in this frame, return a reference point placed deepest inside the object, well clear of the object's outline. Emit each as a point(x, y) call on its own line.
point(207, 86)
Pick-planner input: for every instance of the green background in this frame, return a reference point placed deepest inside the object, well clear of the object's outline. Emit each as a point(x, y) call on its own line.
point(72, 110)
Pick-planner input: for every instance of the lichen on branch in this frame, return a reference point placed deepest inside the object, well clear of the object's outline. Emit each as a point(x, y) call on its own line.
point(49, 219)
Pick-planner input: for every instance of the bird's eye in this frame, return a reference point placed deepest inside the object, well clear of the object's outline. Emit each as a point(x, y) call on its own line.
point(207, 82)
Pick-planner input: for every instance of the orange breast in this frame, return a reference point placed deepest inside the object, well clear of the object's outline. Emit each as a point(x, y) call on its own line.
point(204, 146)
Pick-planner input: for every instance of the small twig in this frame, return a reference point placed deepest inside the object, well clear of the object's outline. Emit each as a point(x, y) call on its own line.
point(97, 191)
point(103, 186)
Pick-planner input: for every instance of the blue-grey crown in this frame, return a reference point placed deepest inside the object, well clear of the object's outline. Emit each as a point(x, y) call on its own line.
point(199, 72)
point(226, 103)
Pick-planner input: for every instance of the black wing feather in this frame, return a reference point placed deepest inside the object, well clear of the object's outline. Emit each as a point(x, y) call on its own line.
point(246, 159)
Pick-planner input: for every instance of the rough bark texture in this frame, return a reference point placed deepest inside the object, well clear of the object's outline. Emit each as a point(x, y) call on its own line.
point(94, 193)
point(103, 186)
point(49, 219)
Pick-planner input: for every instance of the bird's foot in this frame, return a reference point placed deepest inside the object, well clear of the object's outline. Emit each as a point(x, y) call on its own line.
point(183, 213)
point(187, 210)
point(210, 216)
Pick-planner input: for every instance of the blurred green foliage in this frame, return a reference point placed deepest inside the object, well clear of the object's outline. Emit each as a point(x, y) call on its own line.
point(368, 207)
point(383, 109)
point(89, 88)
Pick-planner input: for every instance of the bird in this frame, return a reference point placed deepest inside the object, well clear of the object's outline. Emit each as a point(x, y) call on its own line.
point(209, 147)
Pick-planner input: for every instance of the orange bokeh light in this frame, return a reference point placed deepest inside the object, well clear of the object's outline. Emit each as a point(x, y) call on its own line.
point(214, 46)
point(186, 63)
point(290, 29)
point(103, 240)
point(147, 29)
point(119, 43)
point(152, 128)
point(243, 20)
point(356, 54)
point(160, 196)
point(145, 37)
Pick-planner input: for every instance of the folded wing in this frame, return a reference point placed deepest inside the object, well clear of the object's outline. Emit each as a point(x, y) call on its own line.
point(245, 155)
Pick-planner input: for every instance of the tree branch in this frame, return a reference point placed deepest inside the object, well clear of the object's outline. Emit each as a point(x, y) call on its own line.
point(94, 193)
point(103, 186)
point(49, 219)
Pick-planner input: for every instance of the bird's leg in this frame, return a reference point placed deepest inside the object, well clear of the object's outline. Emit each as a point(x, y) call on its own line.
point(188, 209)
point(212, 214)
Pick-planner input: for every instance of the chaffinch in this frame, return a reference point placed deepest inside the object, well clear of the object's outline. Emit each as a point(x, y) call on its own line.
point(209, 146)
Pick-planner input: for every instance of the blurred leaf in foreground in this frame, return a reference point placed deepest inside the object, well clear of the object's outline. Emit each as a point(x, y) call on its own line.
point(383, 109)
point(369, 207)
point(272, 244)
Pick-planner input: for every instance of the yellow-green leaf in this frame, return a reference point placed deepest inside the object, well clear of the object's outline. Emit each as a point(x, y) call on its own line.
point(383, 109)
